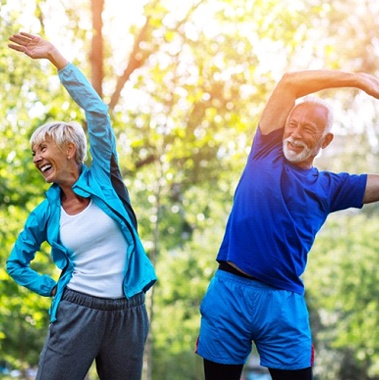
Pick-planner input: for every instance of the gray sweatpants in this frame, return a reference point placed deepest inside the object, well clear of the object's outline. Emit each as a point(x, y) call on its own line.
point(111, 332)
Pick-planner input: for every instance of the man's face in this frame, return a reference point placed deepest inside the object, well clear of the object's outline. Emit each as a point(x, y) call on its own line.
point(303, 135)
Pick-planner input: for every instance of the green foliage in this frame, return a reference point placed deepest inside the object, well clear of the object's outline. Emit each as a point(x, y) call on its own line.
point(184, 275)
point(346, 285)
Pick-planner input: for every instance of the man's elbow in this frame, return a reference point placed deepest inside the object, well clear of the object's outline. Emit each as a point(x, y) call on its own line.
point(372, 189)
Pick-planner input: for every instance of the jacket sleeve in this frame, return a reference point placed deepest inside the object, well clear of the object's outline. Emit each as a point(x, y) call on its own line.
point(24, 251)
point(101, 136)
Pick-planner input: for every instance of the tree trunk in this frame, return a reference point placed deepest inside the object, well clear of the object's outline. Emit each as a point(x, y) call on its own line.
point(96, 54)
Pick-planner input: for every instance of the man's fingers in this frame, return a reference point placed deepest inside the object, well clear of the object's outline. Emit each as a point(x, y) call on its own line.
point(17, 47)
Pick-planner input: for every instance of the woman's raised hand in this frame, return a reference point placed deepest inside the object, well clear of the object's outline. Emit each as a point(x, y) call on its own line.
point(36, 47)
point(33, 46)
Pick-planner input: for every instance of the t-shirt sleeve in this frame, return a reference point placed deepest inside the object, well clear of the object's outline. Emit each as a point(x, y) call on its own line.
point(347, 190)
point(264, 144)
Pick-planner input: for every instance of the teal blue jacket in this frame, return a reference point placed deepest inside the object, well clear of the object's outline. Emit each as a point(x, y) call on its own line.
point(101, 181)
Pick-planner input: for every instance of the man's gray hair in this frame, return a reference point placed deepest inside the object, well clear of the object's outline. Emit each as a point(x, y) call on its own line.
point(311, 99)
point(62, 133)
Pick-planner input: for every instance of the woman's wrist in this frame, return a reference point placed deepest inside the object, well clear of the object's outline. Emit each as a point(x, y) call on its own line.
point(56, 58)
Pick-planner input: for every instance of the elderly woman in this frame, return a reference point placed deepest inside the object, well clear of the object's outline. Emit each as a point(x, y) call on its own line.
point(98, 310)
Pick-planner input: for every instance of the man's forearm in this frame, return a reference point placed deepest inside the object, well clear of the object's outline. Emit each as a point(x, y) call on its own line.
point(302, 83)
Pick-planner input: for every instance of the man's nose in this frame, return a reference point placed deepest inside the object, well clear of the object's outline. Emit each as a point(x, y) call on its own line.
point(296, 132)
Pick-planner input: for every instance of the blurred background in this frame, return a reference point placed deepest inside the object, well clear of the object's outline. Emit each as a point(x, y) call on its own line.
point(186, 82)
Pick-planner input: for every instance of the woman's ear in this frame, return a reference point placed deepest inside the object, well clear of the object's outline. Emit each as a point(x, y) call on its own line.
point(70, 150)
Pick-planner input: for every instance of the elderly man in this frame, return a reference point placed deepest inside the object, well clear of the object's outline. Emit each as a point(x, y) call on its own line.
point(280, 204)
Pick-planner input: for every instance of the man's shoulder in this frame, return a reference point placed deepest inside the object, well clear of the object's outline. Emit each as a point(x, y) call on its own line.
point(266, 145)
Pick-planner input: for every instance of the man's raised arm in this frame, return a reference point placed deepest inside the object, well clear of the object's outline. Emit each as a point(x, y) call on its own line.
point(295, 85)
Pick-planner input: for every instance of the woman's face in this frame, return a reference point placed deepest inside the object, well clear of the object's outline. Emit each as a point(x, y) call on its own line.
point(53, 162)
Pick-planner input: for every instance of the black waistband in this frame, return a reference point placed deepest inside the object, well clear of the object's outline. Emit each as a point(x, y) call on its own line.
point(103, 303)
point(225, 266)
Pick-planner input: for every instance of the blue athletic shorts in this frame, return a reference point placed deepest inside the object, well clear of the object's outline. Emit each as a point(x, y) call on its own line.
point(236, 311)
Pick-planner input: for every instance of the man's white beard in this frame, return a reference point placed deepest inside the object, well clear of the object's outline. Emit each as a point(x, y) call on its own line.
point(294, 157)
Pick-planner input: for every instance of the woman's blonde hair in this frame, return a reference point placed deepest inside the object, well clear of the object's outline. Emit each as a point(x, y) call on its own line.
point(62, 133)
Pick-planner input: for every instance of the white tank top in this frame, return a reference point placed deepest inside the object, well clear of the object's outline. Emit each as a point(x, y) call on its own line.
point(99, 252)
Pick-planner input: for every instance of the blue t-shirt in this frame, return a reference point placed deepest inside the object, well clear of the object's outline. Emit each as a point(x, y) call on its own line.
point(277, 211)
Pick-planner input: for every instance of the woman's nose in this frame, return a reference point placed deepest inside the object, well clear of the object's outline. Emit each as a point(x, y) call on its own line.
point(36, 158)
